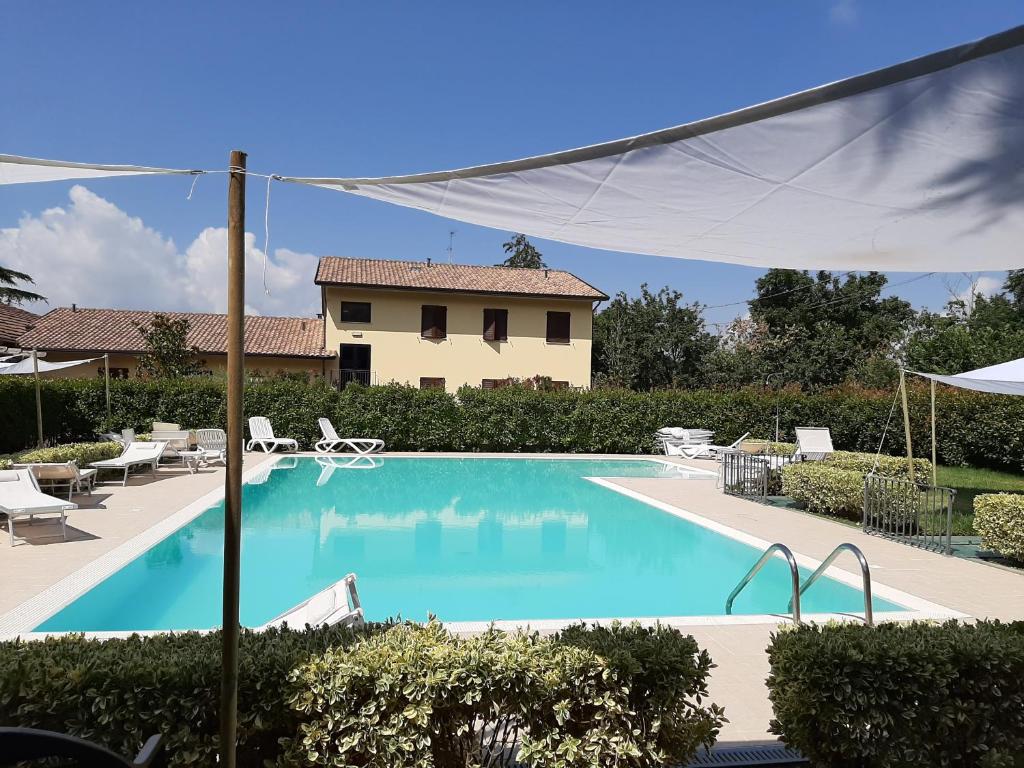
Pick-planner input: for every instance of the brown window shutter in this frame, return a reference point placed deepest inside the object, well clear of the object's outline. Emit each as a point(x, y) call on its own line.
point(488, 383)
point(490, 329)
point(434, 322)
point(501, 324)
point(431, 382)
point(495, 325)
point(558, 327)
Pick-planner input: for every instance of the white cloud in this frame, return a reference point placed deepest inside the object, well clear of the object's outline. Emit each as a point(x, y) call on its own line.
point(93, 254)
point(843, 12)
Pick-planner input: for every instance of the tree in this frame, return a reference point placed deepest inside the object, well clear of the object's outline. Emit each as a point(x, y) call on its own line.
point(649, 342)
point(168, 354)
point(522, 253)
point(9, 293)
point(972, 332)
point(815, 331)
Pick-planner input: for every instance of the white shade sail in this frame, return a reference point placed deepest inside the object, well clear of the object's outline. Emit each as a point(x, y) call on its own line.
point(1002, 379)
point(917, 167)
point(25, 366)
point(15, 169)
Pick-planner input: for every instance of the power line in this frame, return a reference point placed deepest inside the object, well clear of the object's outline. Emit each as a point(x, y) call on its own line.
point(813, 285)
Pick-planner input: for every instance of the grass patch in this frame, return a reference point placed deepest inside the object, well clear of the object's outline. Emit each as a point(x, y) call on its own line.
point(969, 482)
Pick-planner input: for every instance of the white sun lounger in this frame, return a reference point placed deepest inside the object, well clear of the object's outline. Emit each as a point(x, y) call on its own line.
point(671, 439)
point(338, 604)
point(813, 443)
point(262, 434)
point(20, 497)
point(137, 454)
point(213, 445)
point(55, 475)
point(331, 441)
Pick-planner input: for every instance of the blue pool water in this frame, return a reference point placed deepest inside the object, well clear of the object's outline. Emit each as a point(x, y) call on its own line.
point(464, 539)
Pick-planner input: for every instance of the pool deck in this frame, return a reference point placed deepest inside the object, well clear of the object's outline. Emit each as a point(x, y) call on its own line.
point(114, 516)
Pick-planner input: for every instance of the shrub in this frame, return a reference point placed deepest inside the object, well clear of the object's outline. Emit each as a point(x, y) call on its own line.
point(900, 694)
point(999, 518)
point(419, 696)
point(824, 489)
point(82, 453)
point(888, 466)
point(975, 428)
point(119, 692)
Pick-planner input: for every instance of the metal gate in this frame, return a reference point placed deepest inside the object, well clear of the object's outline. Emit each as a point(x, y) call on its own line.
point(752, 475)
point(917, 514)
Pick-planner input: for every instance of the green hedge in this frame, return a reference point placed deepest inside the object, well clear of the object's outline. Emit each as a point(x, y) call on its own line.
point(385, 695)
point(119, 692)
point(418, 696)
point(900, 694)
point(835, 486)
point(974, 428)
point(999, 518)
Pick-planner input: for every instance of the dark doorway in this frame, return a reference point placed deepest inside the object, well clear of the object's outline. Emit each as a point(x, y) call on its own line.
point(355, 364)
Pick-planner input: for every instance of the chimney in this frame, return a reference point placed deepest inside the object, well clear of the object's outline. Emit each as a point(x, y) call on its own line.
point(319, 315)
point(545, 274)
point(74, 307)
point(428, 261)
point(302, 325)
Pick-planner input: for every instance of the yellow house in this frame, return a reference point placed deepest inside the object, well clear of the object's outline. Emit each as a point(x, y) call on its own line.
point(446, 325)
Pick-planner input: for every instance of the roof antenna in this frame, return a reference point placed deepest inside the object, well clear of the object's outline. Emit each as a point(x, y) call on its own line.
point(451, 245)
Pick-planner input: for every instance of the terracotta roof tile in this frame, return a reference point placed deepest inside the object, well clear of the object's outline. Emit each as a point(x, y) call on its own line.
point(14, 321)
point(416, 275)
point(113, 330)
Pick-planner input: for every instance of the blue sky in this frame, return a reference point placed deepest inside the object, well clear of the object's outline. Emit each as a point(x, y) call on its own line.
point(379, 88)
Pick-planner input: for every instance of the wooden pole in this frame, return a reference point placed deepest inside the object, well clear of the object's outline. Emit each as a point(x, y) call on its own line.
point(106, 383)
point(906, 425)
point(39, 397)
point(233, 476)
point(934, 470)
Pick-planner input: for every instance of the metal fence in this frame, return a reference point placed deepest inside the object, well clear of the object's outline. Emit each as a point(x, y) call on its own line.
point(348, 376)
point(913, 513)
point(752, 475)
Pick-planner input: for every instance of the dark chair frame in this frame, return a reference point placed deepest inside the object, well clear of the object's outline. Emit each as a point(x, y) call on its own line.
point(17, 744)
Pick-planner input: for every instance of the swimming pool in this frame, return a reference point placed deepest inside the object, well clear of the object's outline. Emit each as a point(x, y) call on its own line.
point(466, 539)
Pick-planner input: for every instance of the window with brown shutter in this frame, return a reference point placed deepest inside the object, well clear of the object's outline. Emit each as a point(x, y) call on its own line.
point(495, 325)
point(490, 383)
point(558, 327)
point(431, 382)
point(559, 385)
point(434, 322)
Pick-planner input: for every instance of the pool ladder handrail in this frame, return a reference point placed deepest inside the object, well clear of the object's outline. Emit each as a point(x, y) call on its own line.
point(865, 571)
point(794, 603)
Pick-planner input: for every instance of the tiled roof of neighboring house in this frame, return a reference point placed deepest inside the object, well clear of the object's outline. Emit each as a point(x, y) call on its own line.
point(418, 275)
point(114, 330)
point(14, 321)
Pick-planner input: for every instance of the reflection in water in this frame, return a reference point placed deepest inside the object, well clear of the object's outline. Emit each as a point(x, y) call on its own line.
point(465, 539)
point(328, 464)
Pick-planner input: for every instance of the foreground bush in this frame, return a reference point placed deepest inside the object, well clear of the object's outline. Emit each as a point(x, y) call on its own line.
point(120, 692)
point(900, 694)
point(82, 453)
point(513, 418)
point(999, 518)
point(418, 696)
point(385, 695)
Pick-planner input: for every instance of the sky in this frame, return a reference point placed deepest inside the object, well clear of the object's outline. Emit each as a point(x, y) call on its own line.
point(370, 89)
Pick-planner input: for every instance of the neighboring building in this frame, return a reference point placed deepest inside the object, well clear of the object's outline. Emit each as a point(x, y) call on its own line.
point(14, 321)
point(446, 325)
point(272, 344)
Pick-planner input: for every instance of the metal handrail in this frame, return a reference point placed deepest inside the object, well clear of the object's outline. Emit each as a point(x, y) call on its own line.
point(865, 571)
point(794, 603)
